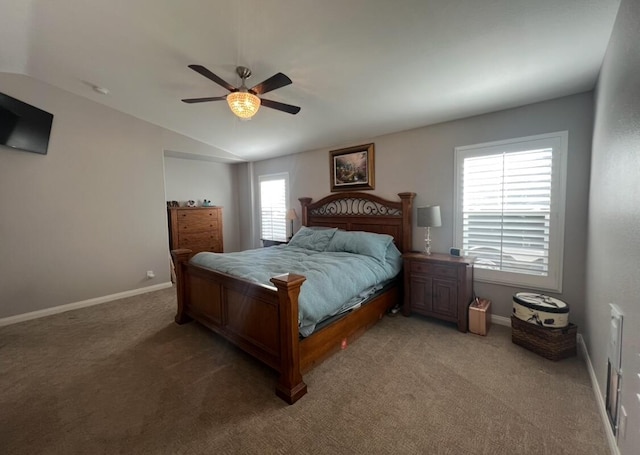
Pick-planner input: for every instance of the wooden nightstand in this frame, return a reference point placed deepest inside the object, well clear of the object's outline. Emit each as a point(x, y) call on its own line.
point(266, 242)
point(439, 285)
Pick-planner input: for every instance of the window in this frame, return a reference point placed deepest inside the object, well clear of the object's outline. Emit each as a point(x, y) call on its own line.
point(273, 206)
point(510, 209)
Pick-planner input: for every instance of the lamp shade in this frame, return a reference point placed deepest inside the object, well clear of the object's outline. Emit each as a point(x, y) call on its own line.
point(292, 215)
point(243, 104)
point(429, 216)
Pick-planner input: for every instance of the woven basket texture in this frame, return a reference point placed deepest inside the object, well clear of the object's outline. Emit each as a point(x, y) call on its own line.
point(553, 344)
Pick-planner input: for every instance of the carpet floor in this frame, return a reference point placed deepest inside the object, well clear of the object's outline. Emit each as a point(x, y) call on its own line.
point(122, 378)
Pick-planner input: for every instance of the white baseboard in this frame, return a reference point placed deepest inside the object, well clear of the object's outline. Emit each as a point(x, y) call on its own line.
point(83, 304)
point(500, 320)
point(613, 446)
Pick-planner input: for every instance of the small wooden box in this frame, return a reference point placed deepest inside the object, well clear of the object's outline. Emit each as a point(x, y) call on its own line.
point(480, 316)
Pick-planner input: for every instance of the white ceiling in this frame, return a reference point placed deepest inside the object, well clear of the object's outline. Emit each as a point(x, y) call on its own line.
point(360, 68)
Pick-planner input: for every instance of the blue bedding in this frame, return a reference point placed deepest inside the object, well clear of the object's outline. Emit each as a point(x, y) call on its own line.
point(333, 277)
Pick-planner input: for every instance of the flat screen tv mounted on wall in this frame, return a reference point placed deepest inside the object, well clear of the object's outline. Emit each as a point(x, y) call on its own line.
point(23, 126)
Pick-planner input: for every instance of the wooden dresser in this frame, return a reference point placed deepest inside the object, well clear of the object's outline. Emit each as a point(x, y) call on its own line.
point(196, 228)
point(439, 285)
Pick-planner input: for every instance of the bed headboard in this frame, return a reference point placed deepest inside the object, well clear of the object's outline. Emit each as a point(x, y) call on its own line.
point(356, 211)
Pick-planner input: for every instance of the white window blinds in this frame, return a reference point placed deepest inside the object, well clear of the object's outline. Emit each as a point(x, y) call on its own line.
point(510, 209)
point(507, 208)
point(273, 207)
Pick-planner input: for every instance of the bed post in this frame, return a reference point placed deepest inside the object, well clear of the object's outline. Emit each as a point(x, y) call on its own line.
point(290, 386)
point(180, 259)
point(304, 203)
point(407, 217)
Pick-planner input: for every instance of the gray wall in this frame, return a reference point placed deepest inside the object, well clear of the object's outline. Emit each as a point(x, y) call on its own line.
point(422, 161)
point(197, 179)
point(246, 207)
point(613, 265)
point(88, 219)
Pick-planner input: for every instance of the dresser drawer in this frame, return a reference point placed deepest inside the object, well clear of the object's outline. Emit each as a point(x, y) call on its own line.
point(196, 247)
point(199, 212)
point(193, 224)
point(197, 215)
point(198, 237)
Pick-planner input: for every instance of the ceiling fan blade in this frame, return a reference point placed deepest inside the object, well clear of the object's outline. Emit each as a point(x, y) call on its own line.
point(288, 108)
point(209, 75)
point(203, 100)
point(274, 82)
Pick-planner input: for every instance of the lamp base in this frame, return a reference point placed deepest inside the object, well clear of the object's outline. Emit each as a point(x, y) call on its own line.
point(427, 242)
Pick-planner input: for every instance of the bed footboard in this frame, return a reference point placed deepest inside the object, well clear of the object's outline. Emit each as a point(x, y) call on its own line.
point(259, 319)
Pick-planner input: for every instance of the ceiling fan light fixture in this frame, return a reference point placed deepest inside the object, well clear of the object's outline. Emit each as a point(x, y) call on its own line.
point(243, 104)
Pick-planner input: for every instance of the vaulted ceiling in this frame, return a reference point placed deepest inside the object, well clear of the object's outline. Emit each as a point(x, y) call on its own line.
point(360, 68)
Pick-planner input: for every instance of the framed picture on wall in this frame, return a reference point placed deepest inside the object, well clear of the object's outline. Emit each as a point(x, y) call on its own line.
point(352, 168)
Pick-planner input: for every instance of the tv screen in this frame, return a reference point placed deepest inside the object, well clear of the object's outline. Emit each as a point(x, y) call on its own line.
point(23, 126)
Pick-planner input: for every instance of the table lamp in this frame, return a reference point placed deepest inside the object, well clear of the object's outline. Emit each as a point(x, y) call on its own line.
point(429, 217)
point(291, 216)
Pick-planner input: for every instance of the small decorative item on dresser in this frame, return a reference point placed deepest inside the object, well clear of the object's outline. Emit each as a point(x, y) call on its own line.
point(552, 344)
point(207, 203)
point(480, 316)
point(191, 203)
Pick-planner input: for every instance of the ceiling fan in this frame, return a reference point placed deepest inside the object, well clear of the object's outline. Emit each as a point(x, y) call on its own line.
point(243, 101)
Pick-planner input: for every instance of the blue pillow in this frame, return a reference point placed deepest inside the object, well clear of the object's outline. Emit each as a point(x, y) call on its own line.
point(392, 254)
point(359, 242)
point(393, 258)
point(312, 239)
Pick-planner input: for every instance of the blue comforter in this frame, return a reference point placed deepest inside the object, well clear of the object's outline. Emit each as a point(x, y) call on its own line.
point(333, 278)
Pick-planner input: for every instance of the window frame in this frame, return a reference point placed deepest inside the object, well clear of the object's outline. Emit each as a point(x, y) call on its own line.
point(271, 177)
point(558, 142)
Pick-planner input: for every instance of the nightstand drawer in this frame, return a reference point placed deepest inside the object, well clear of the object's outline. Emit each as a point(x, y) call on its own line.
point(445, 272)
point(420, 267)
point(433, 269)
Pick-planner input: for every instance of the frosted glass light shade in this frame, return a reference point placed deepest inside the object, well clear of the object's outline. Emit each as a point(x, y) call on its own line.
point(243, 104)
point(429, 216)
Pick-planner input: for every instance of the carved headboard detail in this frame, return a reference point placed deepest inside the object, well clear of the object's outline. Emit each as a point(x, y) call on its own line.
point(355, 211)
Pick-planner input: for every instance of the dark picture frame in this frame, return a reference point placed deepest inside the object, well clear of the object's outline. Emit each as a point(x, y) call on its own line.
point(352, 168)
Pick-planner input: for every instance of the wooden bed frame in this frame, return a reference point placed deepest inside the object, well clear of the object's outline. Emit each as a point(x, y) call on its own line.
point(263, 320)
